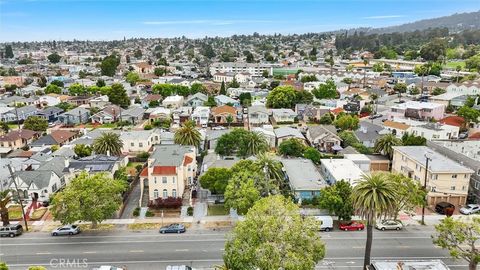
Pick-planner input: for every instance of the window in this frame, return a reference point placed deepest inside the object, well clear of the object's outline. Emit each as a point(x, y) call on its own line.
point(434, 176)
point(155, 193)
point(173, 179)
point(189, 168)
point(434, 189)
point(132, 144)
point(452, 188)
point(174, 193)
point(165, 193)
point(140, 144)
point(404, 158)
point(454, 176)
point(463, 188)
point(417, 178)
point(54, 187)
point(417, 167)
point(155, 180)
point(465, 176)
point(62, 181)
point(164, 179)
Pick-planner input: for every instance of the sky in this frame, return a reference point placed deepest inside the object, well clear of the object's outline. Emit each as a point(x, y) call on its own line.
point(37, 20)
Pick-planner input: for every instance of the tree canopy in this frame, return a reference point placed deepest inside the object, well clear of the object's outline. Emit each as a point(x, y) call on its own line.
point(36, 123)
point(109, 65)
point(327, 90)
point(282, 97)
point(292, 147)
point(54, 58)
point(215, 179)
point(337, 200)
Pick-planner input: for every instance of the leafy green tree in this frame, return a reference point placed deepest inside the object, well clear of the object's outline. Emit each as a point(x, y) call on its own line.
point(291, 147)
point(77, 89)
point(3, 266)
point(159, 71)
point(309, 78)
point(35, 123)
point(410, 193)
point(223, 90)
point(100, 83)
point(132, 78)
point(8, 51)
point(4, 127)
point(58, 83)
point(87, 197)
point(188, 135)
point(473, 63)
point(216, 179)
point(109, 65)
point(36, 268)
point(65, 106)
point(303, 97)
point(327, 90)
point(54, 58)
point(4, 201)
point(282, 97)
point(234, 83)
point(198, 88)
point(108, 143)
point(460, 238)
point(121, 174)
point(412, 140)
point(241, 192)
point(385, 144)
point(432, 51)
point(470, 102)
point(210, 102)
point(274, 236)
point(470, 115)
point(137, 54)
point(313, 154)
point(252, 143)
point(438, 91)
point(400, 88)
point(373, 198)
point(378, 67)
point(118, 95)
point(245, 99)
point(347, 122)
point(326, 119)
point(53, 89)
point(337, 199)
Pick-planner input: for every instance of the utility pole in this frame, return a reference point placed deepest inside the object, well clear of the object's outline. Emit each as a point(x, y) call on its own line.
point(425, 188)
point(18, 194)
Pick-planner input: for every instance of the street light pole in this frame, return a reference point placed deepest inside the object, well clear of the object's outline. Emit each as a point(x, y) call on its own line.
point(425, 188)
point(18, 194)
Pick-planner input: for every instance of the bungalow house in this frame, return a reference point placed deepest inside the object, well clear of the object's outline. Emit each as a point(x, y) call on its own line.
point(258, 115)
point(283, 115)
point(48, 100)
point(134, 114)
point(21, 113)
point(285, 133)
point(368, 133)
point(226, 100)
point(223, 114)
point(76, 116)
point(151, 98)
point(16, 139)
point(50, 114)
point(99, 102)
point(170, 169)
point(56, 137)
point(181, 115)
point(94, 164)
point(196, 100)
point(158, 113)
point(324, 137)
point(307, 112)
point(143, 68)
point(201, 115)
point(303, 177)
point(109, 114)
point(37, 185)
point(268, 133)
point(396, 128)
point(79, 100)
point(173, 102)
point(139, 140)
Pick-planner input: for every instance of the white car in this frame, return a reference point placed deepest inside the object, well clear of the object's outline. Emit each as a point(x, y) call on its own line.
point(470, 209)
point(389, 225)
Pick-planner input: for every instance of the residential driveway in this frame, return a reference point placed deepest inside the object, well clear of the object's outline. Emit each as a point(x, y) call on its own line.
point(132, 201)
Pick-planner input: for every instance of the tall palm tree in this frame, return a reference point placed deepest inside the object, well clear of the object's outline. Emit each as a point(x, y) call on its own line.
point(458, 69)
point(188, 135)
point(108, 144)
point(374, 98)
point(255, 143)
point(374, 198)
point(365, 63)
point(4, 200)
point(385, 144)
point(272, 169)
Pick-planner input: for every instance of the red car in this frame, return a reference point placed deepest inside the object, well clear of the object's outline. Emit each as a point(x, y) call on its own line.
point(352, 226)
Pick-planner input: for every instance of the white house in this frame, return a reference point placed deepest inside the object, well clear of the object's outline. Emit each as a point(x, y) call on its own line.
point(334, 170)
point(200, 115)
point(283, 115)
point(136, 141)
point(173, 102)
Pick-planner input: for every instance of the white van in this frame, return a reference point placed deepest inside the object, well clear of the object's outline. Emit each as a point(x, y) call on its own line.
point(326, 223)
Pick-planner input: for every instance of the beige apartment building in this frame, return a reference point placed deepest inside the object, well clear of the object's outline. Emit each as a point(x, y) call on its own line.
point(171, 168)
point(446, 180)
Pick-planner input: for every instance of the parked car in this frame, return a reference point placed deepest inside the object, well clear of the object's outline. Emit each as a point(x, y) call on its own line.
point(173, 228)
point(326, 223)
point(389, 225)
point(470, 209)
point(463, 135)
point(443, 207)
point(107, 267)
point(352, 226)
point(66, 230)
point(11, 230)
point(179, 267)
point(375, 116)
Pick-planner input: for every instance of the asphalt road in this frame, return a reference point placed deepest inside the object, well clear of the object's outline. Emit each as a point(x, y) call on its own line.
point(200, 249)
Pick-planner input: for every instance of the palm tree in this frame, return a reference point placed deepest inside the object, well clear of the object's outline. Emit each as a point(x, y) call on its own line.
point(4, 200)
point(365, 63)
point(374, 198)
point(255, 143)
point(385, 144)
point(374, 98)
point(188, 135)
point(272, 169)
point(229, 119)
point(108, 144)
point(458, 69)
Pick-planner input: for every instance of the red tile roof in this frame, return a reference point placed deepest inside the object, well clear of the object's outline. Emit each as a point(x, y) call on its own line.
point(164, 170)
point(453, 121)
point(144, 172)
point(337, 110)
point(187, 160)
point(475, 136)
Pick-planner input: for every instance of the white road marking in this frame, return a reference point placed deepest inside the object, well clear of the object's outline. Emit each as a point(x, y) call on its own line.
point(43, 253)
point(136, 251)
point(181, 250)
point(89, 252)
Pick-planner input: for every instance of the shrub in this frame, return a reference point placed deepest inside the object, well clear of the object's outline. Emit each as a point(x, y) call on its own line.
point(143, 156)
point(190, 211)
point(149, 213)
point(136, 212)
point(147, 127)
point(168, 203)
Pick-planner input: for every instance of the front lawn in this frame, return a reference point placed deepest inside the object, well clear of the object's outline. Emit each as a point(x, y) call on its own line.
point(217, 210)
point(454, 64)
point(15, 212)
point(38, 213)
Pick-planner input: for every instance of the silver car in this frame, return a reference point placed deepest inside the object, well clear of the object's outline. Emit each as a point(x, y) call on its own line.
point(66, 230)
point(470, 209)
point(389, 225)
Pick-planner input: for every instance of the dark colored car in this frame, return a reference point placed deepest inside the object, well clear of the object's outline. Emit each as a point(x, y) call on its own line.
point(11, 230)
point(173, 228)
point(352, 226)
point(443, 208)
